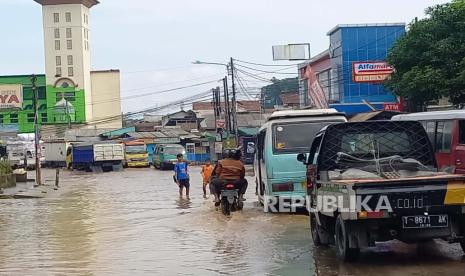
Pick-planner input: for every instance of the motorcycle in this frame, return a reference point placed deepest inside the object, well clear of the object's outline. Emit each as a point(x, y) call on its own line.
point(229, 199)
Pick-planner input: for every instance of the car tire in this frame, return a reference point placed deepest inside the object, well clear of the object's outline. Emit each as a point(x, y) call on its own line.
point(344, 252)
point(314, 230)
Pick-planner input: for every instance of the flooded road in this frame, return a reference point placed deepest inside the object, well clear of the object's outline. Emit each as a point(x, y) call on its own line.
point(133, 222)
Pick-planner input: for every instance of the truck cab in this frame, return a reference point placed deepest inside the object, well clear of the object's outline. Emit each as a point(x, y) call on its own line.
point(136, 154)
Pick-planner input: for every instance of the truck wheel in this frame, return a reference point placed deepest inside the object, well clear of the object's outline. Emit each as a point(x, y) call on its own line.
point(314, 230)
point(344, 252)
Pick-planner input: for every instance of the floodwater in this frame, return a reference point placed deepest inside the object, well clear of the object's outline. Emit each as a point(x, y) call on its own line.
point(133, 222)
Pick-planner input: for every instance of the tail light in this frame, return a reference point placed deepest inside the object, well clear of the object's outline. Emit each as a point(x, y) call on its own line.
point(311, 175)
point(230, 186)
point(283, 187)
point(374, 214)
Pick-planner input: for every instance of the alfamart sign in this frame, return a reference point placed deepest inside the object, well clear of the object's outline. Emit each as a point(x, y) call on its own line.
point(11, 96)
point(371, 71)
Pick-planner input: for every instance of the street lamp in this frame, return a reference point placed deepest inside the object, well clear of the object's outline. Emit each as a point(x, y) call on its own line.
point(211, 63)
point(234, 112)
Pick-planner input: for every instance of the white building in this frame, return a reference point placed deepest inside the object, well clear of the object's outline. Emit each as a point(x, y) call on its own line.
point(68, 62)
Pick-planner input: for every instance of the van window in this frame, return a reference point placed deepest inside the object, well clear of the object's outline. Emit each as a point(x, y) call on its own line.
point(261, 144)
point(462, 132)
point(295, 137)
point(444, 136)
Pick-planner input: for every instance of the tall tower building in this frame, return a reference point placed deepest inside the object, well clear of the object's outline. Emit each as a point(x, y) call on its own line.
point(67, 52)
point(69, 75)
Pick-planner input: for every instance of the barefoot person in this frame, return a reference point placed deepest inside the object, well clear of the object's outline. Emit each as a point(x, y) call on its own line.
point(207, 171)
point(181, 175)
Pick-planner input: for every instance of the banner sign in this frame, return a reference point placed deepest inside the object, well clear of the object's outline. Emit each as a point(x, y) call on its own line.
point(392, 107)
point(377, 71)
point(315, 91)
point(11, 96)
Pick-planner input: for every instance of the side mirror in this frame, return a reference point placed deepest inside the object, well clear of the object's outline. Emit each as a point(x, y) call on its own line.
point(302, 157)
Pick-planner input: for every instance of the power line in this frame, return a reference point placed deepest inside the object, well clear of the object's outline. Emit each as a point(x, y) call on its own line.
point(269, 72)
point(269, 65)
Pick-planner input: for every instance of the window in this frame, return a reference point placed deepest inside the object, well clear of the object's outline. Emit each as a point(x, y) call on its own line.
point(462, 132)
point(57, 45)
point(56, 17)
point(444, 136)
point(69, 44)
point(70, 60)
point(431, 131)
point(69, 96)
point(57, 33)
point(30, 117)
point(58, 71)
point(70, 71)
point(58, 60)
point(14, 118)
point(68, 17)
point(287, 138)
point(87, 44)
point(69, 33)
point(43, 117)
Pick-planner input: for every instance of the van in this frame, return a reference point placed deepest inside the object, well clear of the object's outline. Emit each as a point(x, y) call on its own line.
point(446, 131)
point(164, 156)
point(279, 176)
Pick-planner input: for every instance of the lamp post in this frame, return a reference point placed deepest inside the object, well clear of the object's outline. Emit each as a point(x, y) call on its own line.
point(233, 98)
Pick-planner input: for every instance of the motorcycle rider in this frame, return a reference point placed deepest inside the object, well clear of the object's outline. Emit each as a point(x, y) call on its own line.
point(230, 169)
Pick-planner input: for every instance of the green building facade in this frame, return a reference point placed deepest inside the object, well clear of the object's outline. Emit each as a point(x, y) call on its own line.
point(57, 105)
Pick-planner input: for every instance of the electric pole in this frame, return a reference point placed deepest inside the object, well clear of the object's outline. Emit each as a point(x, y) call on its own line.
point(36, 130)
point(227, 109)
point(234, 106)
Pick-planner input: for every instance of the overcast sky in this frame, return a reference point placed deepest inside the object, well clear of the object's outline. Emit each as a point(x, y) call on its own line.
point(153, 42)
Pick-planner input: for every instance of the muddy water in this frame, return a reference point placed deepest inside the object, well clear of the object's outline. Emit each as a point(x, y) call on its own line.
point(134, 223)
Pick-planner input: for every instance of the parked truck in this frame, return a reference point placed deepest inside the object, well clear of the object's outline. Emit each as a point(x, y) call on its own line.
point(377, 181)
point(55, 153)
point(136, 155)
point(95, 157)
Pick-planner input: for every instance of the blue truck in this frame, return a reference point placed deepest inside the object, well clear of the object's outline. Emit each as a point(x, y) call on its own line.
point(95, 157)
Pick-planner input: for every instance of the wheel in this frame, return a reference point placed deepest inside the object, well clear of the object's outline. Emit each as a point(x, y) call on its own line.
point(462, 244)
point(314, 230)
point(342, 242)
point(226, 207)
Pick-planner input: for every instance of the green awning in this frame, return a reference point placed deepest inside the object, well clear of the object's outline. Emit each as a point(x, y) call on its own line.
point(248, 131)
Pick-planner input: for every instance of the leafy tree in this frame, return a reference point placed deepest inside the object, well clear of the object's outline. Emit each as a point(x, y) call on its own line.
point(430, 58)
point(272, 92)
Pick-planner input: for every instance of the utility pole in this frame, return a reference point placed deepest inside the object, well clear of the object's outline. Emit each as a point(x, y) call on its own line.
point(227, 109)
point(234, 105)
point(36, 130)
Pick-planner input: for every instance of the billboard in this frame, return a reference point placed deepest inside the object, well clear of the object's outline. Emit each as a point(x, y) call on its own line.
point(376, 71)
point(11, 96)
point(300, 51)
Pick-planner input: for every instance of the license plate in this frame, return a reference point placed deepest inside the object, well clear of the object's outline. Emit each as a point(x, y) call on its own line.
point(421, 221)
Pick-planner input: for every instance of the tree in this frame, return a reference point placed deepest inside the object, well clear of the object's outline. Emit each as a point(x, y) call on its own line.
point(429, 60)
point(272, 92)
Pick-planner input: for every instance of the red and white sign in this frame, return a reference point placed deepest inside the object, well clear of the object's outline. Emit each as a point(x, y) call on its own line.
point(11, 96)
point(220, 123)
point(315, 91)
point(392, 107)
point(377, 71)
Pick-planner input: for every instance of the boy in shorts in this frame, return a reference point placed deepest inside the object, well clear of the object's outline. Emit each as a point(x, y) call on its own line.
point(207, 171)
point(181, 175)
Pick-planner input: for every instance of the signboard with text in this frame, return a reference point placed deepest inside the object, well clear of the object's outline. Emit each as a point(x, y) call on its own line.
point(377, 71)
point(11, 96)
point(392, 107)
